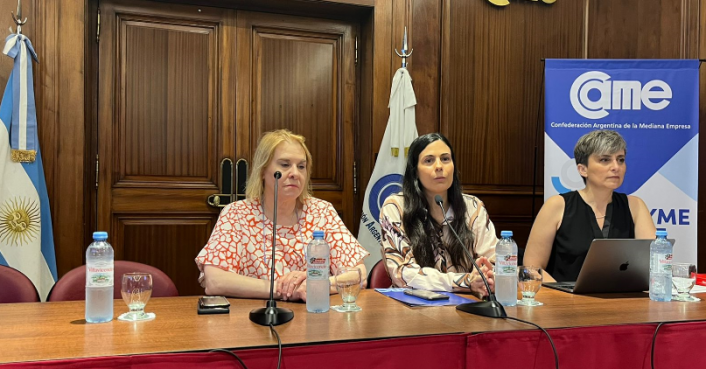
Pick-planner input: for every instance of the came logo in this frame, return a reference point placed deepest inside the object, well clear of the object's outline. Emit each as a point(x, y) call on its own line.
point(616, 95)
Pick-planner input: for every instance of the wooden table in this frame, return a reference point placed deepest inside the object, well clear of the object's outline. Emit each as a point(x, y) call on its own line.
point(564, 310)
point(46, 331)
point(51, 331)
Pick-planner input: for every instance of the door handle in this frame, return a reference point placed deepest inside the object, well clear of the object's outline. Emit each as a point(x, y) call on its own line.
point(219, 200)
point(233, 181)
point(241, 178)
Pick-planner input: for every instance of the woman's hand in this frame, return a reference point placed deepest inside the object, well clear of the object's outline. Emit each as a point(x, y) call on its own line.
point(287, 285)
point(300, 292)
point(477, 284)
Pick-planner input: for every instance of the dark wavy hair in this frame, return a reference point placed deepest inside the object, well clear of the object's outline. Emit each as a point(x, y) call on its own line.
point(422, 228)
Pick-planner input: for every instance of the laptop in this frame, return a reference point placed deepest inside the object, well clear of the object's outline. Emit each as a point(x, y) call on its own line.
point(612, 265)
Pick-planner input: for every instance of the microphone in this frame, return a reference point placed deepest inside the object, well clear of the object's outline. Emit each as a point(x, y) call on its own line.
point(491, 308)
point(272, 315)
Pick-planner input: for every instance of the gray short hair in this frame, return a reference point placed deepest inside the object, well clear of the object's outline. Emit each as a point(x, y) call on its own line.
point(598, 142)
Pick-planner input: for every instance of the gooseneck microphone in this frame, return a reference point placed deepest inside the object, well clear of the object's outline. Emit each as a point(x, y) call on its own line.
point(491, 308)
point(272, 315)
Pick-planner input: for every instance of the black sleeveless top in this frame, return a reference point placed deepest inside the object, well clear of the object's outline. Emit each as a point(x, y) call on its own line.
point(579, 228)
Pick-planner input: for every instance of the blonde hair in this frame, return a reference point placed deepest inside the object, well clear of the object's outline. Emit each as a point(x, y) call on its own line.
point(266, 147)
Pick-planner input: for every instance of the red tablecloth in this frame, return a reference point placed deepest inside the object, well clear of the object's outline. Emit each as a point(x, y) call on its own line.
point(443, 351)
point(623, 346)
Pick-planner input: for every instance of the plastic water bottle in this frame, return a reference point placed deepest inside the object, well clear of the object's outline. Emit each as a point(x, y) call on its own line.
point(317, 270)
point(661, 268)
point(99, 279)
point(506, 270)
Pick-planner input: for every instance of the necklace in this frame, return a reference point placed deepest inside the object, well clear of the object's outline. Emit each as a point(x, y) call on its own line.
point(264, 230)
point(595, 212)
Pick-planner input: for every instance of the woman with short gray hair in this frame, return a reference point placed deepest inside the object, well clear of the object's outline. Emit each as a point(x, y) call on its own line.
point(568, 223)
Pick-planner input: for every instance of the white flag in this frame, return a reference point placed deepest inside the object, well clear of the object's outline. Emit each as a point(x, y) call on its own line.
point(390, 165)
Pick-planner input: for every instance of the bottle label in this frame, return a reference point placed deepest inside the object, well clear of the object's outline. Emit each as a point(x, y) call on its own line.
point(506, 265)
point(316, 268)
point(99, 275)
point(662, 263)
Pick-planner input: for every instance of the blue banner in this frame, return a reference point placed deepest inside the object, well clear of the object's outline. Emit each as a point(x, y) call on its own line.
point(654, 105)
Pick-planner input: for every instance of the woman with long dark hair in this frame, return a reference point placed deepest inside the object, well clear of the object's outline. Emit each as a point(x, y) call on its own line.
point(418, 248)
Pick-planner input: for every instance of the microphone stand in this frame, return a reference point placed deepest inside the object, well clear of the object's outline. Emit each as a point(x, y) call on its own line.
point(491, 308)
point(272, 315)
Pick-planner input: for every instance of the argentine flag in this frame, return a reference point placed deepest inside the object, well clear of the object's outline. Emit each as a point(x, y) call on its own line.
point(26, 240)
point(389, 168)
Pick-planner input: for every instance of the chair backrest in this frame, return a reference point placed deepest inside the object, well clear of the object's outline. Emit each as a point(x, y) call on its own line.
point(378, 277)
point(16, 287)
point(72, 286)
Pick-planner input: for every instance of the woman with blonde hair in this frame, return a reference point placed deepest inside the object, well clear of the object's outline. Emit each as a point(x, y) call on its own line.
point(236, 260)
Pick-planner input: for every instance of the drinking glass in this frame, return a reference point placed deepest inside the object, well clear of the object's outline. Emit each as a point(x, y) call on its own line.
point(529, 280)
point(683, 279)
point(136, 290)
point(349, 282)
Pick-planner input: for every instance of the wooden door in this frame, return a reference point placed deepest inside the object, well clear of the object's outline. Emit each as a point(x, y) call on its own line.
point(299, 73)
point(165, 122)
point(170, 110)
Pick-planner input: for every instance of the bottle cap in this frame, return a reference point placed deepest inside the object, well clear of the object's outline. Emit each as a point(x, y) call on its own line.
point(661, 233)
point(505, 233)
point(318, 234)
point(100, 236)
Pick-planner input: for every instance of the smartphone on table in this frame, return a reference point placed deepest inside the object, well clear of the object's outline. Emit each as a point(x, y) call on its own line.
point(213, 305)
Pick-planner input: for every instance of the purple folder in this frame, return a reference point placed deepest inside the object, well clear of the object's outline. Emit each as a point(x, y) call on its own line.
point(399, 295)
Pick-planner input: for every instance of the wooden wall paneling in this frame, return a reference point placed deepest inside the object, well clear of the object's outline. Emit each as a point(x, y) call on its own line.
point(179, 241)
point(383, 53)
point(376, 77)
point(298, 88)
point(493, 83)
point(229, 137)
point(164, 67)
point(690, 29)
point(424, 23)
point(244, 144)
point(446, 54)
point(491, 91)
point(401, 10)
point(90, 214)
point(29, 10)
point(299, 74)
point(364, 128)
point(637, 29)
point(59, 88)
point(509, 211)
point(329, 9)
point(349, 119)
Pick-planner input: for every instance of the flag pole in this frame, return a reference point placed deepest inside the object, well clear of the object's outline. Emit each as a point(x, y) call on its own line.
point(18, 19)
point(404, 54)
